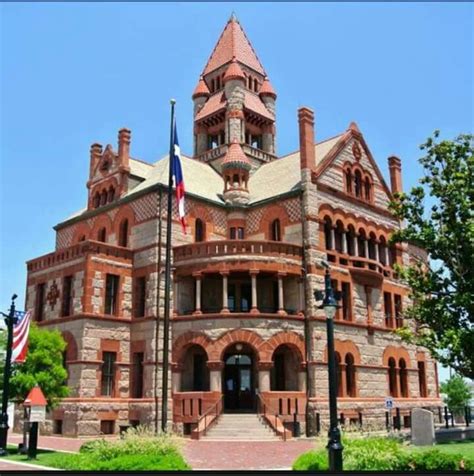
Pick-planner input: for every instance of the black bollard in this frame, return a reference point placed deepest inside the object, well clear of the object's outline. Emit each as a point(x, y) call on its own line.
point(296, 426)
point(318, 423)
point(33, 444)
point(387, 421)
point(399, 418)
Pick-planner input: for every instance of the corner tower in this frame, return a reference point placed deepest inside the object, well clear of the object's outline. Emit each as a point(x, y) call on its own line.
point(234, 103)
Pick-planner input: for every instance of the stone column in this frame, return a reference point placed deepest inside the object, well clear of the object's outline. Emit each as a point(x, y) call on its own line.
point(175, 296)
point(356, 246)
point(225, 297)
point(253, 276)
point(281, 302)
point(344, 242)
point(302, 379)
point(176, 377)
point(215, 375)
point(377, 251)
point(198, 277)
point(366, 248)
point(387, 256)
point(264, 376)
point(333, 239)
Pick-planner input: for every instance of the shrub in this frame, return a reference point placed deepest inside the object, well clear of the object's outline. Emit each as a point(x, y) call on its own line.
point(311, 460)
point(138, 449)
point(434, 460)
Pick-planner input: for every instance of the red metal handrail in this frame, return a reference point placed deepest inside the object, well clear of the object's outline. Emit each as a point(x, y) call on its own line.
point(214, 412)
point(272, 420)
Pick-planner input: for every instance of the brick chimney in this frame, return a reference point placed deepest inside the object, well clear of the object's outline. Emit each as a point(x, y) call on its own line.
point(395, 167)
point(95, 154)
point(307, 149)
point(124, 136)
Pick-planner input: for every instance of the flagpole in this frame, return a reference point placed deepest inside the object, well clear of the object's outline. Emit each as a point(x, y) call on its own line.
point(10, 320)
point(166, 322)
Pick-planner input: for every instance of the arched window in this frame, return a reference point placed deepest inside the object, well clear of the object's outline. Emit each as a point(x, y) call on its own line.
point(235, 180)
point(111, 194)
point(276, 230)
point(218, 83)
point(250, 82)
point(350, 240)
point(350, 376)
point(339, 375)
point(348, 181)
point(123, 233)
point(199, 230)
point(195, 374)
point(372, 245)
point(103, 197)
point(361, 239)
point(213, 87)
point(328, 233)
point(422, 379)
point(358, 184)
point(339, 236)
point(383, 251)
point(102, 235)
point(403, 378)
point(392, 377)
point(367, 189)
point(255, 85)
point(82, 238)
point(96, 202)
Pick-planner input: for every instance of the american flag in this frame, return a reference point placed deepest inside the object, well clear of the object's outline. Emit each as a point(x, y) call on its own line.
point(178, 180)
point(20, 336)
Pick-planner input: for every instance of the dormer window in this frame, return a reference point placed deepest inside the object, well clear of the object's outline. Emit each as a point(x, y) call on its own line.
point(358, 182)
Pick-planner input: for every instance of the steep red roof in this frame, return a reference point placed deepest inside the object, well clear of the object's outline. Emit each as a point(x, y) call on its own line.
point(267, 89)
point(214, 104)
point(254, 103)
point(201, 89)
point(234, 71)
point(233, 42)
point(235, 157)
point(35, 397)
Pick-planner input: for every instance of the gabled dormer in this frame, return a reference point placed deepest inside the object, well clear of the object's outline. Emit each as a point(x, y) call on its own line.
point(109, 171)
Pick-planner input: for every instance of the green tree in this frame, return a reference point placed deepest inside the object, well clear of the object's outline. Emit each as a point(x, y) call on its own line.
point(440, 220)
point(458, 393)
point(43, 366)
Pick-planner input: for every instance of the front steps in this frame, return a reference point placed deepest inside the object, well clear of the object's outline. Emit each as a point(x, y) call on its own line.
point(240, 427)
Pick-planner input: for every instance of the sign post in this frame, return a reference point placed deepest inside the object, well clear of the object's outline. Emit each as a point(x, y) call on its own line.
point(389, 406)
point(37, 402)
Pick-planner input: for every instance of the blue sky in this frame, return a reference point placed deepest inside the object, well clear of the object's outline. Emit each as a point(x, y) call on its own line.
point(74, 73)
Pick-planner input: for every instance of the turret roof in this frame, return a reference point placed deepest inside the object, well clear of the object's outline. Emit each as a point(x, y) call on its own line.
point(201, 89)
point(234, 71)
point(233, 42)
point(235, 157)
point(267, 89)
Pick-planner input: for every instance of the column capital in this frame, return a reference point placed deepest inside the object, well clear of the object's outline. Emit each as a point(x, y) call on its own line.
point(265, 365)
point(225, 272)
point(215, 364)
point(197, 274)
point(282, 274)
point(254, 272)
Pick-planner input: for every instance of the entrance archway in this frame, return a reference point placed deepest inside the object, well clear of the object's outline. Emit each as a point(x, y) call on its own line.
point(239, 378)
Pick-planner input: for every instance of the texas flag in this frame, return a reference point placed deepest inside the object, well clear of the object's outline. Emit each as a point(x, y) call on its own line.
point(177, 174)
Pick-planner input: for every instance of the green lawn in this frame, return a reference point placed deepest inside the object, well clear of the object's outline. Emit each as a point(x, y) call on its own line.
point(44, 457)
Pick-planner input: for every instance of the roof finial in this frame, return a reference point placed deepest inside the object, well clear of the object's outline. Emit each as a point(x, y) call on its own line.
point(233, 16)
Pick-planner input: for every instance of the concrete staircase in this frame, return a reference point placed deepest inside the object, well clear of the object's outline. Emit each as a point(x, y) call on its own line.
point(240, 427)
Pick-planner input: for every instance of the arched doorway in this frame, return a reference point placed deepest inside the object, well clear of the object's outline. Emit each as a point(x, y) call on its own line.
point(239, 378)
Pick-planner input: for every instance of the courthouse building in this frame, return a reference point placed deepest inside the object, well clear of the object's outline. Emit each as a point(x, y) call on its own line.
point(246, 333)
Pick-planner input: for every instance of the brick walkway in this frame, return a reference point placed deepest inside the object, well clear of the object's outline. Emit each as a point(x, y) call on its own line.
point(229, 455)
point(234, 455)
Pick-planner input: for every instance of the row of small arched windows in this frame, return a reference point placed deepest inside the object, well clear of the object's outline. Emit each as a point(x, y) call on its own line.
point(102, 198)
point(346, 373)
point(123, 234)
point(358, 185)
point(349, 242)
point(218, 82)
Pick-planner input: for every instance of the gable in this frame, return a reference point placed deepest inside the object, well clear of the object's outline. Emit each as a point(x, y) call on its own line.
point(352, 151)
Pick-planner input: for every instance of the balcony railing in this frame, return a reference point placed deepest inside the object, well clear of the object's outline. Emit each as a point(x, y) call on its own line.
point(258, 153)
point(360, 263)
point(77, 251)
point(213, 153)
point(235, 247)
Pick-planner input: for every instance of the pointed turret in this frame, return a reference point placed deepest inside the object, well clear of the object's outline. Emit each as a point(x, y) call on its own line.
point(236, 167)
point(234, 101)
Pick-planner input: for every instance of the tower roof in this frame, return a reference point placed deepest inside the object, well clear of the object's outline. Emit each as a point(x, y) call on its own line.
point(233, 42)
point(234, 71)
point(267, 89)
point(235, 157)
point(201, 89)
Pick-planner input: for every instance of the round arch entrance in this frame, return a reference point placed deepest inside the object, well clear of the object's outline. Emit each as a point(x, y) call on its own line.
point(239, 378)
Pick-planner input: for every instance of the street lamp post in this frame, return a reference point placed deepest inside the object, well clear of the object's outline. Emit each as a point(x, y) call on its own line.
point(329, 304)
point(10, 321)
